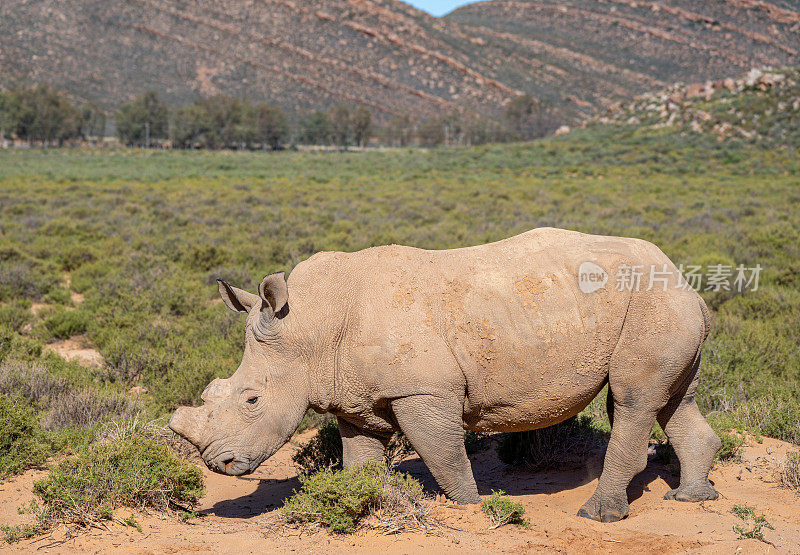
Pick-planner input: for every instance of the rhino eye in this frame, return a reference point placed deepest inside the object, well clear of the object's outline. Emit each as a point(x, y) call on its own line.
point(252, 400)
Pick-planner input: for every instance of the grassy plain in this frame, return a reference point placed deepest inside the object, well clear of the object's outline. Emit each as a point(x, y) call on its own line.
point(143, 235)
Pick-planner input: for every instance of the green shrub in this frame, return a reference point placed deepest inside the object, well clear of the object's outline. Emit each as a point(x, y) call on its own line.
point(324, 450)
point(752, 524)
point(135, 472)
point(23, 443)
point(732, 443)
point(19, 532)
point(63, 324)
point(501, 510)
point(570, 441)
point(338, 499)
point(15, 315)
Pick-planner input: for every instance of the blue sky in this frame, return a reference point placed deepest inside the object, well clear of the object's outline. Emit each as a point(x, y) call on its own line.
point(437, 7)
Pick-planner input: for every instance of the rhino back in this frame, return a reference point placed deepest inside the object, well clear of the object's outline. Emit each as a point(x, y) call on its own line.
point(506, 320)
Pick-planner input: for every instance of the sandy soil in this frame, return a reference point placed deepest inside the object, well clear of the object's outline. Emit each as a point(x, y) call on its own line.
point(79, 349)
point(239, 514)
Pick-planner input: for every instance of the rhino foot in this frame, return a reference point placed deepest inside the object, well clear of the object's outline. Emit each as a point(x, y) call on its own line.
point(693, 492)
point(604, 511)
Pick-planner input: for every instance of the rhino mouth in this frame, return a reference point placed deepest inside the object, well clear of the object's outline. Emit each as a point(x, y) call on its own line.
point(229, 464)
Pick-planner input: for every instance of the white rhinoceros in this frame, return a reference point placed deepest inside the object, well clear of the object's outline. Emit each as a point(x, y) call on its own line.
point(508, 336)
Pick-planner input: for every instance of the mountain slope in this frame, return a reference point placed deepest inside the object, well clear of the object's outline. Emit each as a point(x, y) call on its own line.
point(304, 54)
point(594, 51)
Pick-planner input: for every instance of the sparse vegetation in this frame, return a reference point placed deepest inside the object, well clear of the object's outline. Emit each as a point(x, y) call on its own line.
point(752, 526)
point(339, 499)
point(501, 510)
point(556, 446)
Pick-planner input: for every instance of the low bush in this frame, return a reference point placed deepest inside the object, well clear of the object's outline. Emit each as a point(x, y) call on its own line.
point(731, 448)
point(15, 315)
point(311, 420)
point(136, 472)
point(339, 499)
point(397, 449)
point(88, 407)
point(63, 324)
point(790, 472)
point(752, 526)
point(23, 443)
point(568, 442)
point(501, 510)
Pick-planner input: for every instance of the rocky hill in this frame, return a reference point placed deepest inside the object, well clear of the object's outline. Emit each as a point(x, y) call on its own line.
point(761, 106)
point(303, 54)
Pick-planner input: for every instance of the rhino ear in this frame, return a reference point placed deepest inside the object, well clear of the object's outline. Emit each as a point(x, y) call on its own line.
point(274, 293)
point(237, 299)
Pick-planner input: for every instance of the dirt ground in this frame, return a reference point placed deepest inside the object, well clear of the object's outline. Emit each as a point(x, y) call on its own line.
point(239, 514)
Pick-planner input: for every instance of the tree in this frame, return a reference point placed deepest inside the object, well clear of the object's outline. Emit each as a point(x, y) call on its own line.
point(399, 130)
point(10, 108)
point(144, 118)
point(270, 125)
point(529, 119)
point(341, 131)
point(46, 116)
point(315, 129)
point(188, 126)
point(431, 132)
point(362, 125)
point(93, 121)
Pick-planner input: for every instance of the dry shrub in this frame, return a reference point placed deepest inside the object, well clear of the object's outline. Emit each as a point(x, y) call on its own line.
point(81, 409)
point(403, 506)
point(63, 405)
point(790, 472)
point(398, 449)
point(119, 430)
point(31, 381)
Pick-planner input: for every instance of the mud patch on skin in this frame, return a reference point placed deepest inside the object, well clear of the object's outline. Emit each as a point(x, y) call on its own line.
point(403, 299)
point(530, 289)
point(404, 353)
point(484, 333)
point(453, 299)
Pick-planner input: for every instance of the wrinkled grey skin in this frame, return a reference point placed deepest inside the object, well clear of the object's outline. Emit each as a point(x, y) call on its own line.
point(497, 337)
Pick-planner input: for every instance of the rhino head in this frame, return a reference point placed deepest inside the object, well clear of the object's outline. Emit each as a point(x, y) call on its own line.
point(246, 418)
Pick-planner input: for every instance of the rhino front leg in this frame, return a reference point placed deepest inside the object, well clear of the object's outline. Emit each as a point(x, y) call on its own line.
point(434, 427)
point(359, 445)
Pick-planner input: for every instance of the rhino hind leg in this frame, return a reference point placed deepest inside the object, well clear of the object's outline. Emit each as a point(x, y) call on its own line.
point(694, 442)
point(646, 372)
point(626, 456)
point(434, 427)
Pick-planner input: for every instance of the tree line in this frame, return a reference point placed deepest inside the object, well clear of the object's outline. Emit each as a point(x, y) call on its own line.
point(45, 116)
